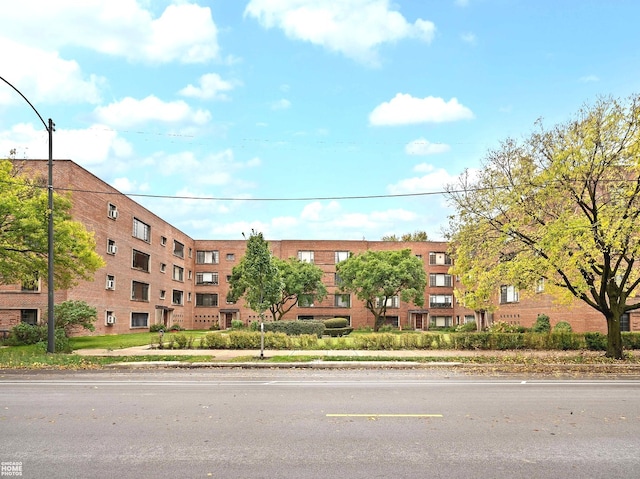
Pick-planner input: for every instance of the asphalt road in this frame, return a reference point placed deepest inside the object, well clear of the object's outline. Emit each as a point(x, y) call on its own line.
point(316, 424)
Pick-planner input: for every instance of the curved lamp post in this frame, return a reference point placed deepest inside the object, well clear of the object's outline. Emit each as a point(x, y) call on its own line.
point(50, 127)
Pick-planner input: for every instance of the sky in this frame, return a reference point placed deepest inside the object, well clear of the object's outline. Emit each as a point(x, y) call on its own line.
point(301, 119)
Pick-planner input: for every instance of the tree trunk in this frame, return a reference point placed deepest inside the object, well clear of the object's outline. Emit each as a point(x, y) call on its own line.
point(614, 339)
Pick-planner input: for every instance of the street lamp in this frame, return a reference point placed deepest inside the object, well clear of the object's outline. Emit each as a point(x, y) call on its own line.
point(50, 127)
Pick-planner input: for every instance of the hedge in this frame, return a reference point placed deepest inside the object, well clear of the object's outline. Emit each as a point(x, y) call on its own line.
point(295, 328)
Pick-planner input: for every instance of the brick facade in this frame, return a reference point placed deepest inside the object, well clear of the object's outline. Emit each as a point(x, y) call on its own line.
point(155, 273)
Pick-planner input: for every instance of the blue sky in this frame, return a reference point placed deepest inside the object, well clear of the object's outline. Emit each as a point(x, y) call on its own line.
point(315, 117)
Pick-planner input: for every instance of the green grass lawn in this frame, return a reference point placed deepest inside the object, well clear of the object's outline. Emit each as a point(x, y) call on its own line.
point(121, 341)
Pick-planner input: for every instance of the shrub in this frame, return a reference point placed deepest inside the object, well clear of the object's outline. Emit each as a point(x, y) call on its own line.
point(563, 326)
point(336, 323)
point(277, 341)
point(237, 324)
point(215, 326)
point(596, 341)
point(24, 333)
point(504, 327)
point(181, 341)
point(295, 328)
point(176, 327)
point(338, 332)
point(380, 341)
point(61, 342)
point(215, 341)
point(472, 340)
point(542, 324)
point(244, 340)
point(507, 341)
point(631, 340)
point(156, 328)
point(564, 341)
point(307, 341)
point(469, 327)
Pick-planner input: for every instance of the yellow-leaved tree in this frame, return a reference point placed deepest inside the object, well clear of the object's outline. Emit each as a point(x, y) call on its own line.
point(562, 206)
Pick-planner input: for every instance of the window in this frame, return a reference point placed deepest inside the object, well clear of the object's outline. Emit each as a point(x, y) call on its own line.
point(441, 321)
point(139, 291)
point(337, 280)
point(111, 282)
point(207, 299)
point(139, 320)
point(508, 294)
point(177, 297)
point(111, 247)
point(305, 256)
point(178, 249)
point(190, 253)
point(440, 280)
point(440, 300)
point(206, 278)
point(228, 278)
point(163, 240)
point(141, 230)
point(439, 258)
point(163, 267)
point(540, 285)
point(178, 273)
point(112, 211)
point(392, 302)
point(231, 257)
point(32, 284)
point(140, 261)
point(341, 256)
point(29, 316)
point(163, 294)
point(305, 301)
point(342, 301)
point(207, 257)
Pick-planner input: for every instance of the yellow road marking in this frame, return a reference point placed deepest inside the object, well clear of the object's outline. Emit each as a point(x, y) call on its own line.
point(384, 415)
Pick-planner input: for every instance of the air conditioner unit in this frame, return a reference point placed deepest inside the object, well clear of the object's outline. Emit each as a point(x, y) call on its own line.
point(111, 284)
point(113, 249)
point(113, 214)
point(111, 319)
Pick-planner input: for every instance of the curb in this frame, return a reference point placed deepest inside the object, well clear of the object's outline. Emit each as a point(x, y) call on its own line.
point(295, 365)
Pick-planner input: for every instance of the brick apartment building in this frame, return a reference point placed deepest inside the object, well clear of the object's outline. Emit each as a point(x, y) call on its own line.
point(156, 274)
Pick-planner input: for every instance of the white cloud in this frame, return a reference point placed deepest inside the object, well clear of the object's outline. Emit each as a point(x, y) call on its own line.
point(44, 77)
point(422, 147)
point(211, 87)
point(126, 185)
point(469, 38)
point(589, 79)
point(92, 146)
point(404, 109)
point(435, 180)
point(282, 104)
point(354, 28)
point(184, 32)
point(130, 111)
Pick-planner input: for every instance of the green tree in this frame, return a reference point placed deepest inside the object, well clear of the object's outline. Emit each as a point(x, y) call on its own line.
point(561, 206)
point(415, 236)
point(24, 233)
point(70, 315)
point(377, 276)
point(256, 277)
point(298, 279)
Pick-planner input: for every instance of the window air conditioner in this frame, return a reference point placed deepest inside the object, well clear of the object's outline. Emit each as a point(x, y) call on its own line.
point(113, 214)
point(113, 249)
point(111, 284)
point(111, 319)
